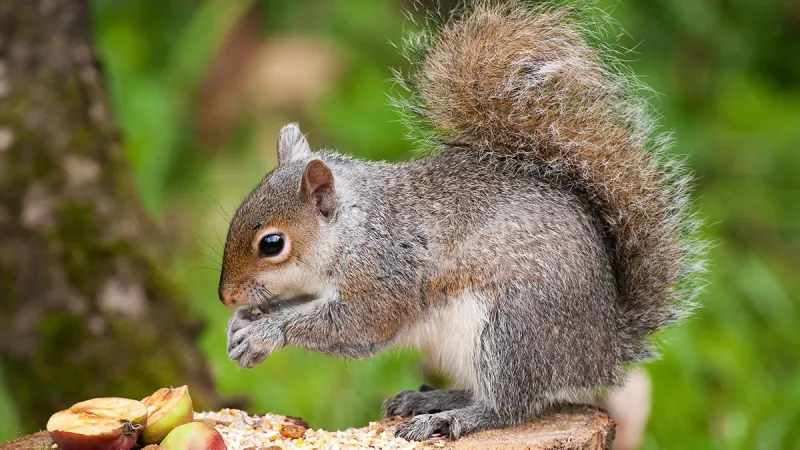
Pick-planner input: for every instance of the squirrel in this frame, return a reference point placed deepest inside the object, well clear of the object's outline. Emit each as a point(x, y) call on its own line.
point(530, 256)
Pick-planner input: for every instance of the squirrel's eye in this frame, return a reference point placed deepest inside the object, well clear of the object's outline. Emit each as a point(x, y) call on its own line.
point(270, 245)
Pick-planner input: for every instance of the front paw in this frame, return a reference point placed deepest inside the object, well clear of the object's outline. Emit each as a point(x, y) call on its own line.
point(242, 318)
point(251, 342)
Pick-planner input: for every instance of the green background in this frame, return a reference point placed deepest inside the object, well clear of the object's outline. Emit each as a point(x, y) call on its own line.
point(726, 76)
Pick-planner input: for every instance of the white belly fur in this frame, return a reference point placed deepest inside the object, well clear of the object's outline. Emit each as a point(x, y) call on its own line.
point(449, 337)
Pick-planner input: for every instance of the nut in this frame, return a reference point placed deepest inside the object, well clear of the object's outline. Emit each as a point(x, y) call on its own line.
point(293, 431)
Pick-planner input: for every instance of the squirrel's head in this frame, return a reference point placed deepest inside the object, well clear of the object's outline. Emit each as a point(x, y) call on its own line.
point(273, 252)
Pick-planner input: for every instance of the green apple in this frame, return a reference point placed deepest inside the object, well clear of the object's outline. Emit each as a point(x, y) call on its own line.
point(194, 436)
point(167, 408)
point(108, 423)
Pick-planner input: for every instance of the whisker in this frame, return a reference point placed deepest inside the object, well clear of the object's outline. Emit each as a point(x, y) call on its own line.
point(219, 239)
point(277, 299)
point(206, 242)
point(263, 298)
point(261, 301)
point(299, 259)
point(202, 254)
point(215, 269)
point(266, 296)
point(220, 209)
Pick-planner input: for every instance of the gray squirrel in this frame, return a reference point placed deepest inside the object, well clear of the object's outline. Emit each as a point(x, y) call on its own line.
point(530, 256)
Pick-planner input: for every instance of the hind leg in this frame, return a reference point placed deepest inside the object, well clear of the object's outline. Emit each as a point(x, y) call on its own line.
point(526, 360)
point(502, 391)
point(426, 400)
point(454, 423)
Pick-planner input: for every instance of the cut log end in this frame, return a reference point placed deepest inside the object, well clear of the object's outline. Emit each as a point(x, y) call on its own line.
point(36, 441)
point(566, 428)
point(574, 427)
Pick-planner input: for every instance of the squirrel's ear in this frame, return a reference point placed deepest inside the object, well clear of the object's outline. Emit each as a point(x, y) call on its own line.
point(317, 188)
point(292, 145)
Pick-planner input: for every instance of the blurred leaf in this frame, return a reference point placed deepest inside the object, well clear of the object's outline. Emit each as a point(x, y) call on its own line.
point(152, 100)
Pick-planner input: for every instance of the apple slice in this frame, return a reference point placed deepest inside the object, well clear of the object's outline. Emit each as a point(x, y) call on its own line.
point(194, 436)
point(167, 408)
point(108, 423)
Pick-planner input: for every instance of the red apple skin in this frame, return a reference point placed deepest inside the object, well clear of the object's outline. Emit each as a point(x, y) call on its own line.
point(73, 441)
point(113, 424)
point(194, 436)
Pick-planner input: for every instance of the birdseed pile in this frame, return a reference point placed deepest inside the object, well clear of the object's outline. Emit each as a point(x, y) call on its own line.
point(243, 431)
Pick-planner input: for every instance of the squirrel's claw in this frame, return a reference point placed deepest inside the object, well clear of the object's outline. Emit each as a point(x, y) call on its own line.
point(249, 347)
point(250, 341)
point(422, 427)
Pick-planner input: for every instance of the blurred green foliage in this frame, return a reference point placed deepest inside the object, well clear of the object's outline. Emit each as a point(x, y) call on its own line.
point(727, 73)
point(152, 87)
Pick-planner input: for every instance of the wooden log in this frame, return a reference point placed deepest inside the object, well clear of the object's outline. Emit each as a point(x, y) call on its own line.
point(36, 441)
point(567, 428)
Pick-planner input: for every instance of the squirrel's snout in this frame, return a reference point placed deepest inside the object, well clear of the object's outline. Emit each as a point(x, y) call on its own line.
point(227, 301)
point(237, 293)
point(227, 295)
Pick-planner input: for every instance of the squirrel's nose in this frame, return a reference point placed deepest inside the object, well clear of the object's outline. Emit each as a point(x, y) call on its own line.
point(227, 295)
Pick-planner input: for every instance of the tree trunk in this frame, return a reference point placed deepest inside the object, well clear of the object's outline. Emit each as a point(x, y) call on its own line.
point(85, 309)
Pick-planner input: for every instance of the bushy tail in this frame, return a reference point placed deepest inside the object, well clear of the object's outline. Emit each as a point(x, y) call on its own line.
point(524, 81)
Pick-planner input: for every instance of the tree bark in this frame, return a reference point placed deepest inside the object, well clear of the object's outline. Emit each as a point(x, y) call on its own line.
point(85, 309)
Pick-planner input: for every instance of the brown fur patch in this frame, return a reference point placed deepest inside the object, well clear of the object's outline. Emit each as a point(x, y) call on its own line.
point(242, 262)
